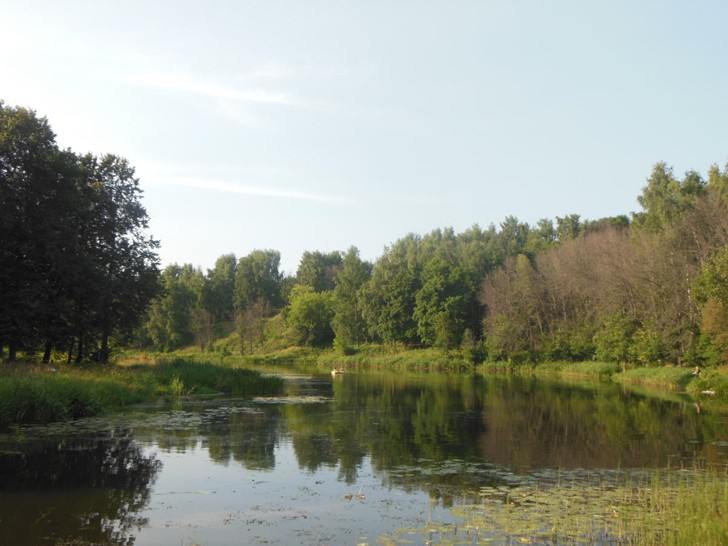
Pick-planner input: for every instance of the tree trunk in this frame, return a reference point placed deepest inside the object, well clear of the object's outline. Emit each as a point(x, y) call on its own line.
point(79, 355)
point(47, 353)
point(104, 357)
point(70, 350)
point(12, 352)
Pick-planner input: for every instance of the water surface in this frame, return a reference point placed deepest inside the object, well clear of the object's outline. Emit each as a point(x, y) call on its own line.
point(363, 458)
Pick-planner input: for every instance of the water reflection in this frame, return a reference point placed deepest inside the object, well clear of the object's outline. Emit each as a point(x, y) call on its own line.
point(515, 422)
point(411, 420)
point(77, 491)
point(493, 424)
point(440, 436)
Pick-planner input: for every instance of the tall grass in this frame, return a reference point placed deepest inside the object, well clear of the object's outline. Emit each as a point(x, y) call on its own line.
point(597, 370)
point(666, 376)
point(35, 395)
point(208, 377)
point(679, 508)
point(712, 380)
point(413, 359)
point(663, 507)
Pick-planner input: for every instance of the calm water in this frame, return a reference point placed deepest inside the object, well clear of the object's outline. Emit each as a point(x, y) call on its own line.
point(357, 459)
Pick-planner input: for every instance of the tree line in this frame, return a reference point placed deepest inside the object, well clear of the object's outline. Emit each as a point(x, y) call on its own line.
point(78, 273)
point(644, 288)
point(77, 269)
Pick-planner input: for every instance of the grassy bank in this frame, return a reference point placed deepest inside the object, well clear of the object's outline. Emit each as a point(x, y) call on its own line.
point(31, 394)
point(714, 380)
point(399, 357)
point(378, 356)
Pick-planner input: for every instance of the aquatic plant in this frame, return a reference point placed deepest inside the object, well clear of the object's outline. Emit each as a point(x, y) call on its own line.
point(649, 508)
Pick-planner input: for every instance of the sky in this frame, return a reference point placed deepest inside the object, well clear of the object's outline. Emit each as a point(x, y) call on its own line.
point(318, 125)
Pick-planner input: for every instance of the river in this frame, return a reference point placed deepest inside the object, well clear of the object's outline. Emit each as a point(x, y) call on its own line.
point(358, 459)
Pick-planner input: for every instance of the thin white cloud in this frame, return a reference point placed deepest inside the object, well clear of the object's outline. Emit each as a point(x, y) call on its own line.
point(203, 183)
point(176, 82)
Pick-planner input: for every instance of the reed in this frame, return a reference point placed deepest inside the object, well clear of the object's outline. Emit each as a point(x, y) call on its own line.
point(662, 507)
point(666, 376)
point(37, 395)
point(419, 359)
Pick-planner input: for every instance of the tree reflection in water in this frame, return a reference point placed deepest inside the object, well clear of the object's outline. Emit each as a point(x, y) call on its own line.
point(75, 491)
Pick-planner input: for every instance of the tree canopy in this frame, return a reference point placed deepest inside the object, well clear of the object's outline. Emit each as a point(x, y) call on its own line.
point(77, 267)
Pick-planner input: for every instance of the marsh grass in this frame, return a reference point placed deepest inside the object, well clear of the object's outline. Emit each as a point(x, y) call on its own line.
point(666, 376)
point(394, 359)
point(591, 369)
point(711, 379)
point(668, 507)
point(37, 395)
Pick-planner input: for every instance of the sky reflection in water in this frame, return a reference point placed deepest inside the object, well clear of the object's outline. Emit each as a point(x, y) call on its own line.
point(340, 461)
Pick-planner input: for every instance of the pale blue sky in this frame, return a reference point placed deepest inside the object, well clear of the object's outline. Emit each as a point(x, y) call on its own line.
point(311, 125)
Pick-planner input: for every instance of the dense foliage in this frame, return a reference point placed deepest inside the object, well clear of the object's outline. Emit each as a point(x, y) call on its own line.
point(77, 272)
point(643, 290)
point(76, 267)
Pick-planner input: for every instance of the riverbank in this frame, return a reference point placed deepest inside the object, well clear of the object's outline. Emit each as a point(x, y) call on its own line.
point(711, 380)
point(388, 357)
point(41, 394)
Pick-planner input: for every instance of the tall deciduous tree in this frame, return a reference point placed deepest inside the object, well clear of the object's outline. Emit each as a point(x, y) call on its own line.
point(123, 257)
point(665, 198)
point(258, 276)
point(221, 290)
point(309, 315)
point(319, 270)
point(348, 323)
point(74, 257)
point(441, 304)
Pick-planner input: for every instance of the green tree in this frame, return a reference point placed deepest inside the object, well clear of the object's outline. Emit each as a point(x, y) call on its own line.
point(319, 270)
point(665, 198)
point(614, 341)
point(202, 324)
point(123, 258)
point(221, 290)
point(170, 320)
point(568, 227)
point(258, 276)
point(75, 261)
point(512, 237)
point(309, 316)
point(388, 301)
point(37, 214)
point(348, 323)
point(441, 305)
point(541, 239)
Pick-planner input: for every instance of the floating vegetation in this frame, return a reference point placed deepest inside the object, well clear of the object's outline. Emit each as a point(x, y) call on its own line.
point(587, 507)
point(173, 420)
point(292, 399)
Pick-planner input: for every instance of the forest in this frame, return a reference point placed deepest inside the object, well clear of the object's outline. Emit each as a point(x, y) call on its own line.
point(79, 275)
point(648, 288)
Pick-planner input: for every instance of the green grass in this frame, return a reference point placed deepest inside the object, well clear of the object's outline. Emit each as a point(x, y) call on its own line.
point(37, 395)
point(596, 370)
point(711, 379)
point(395, 359)
point(666, 376)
